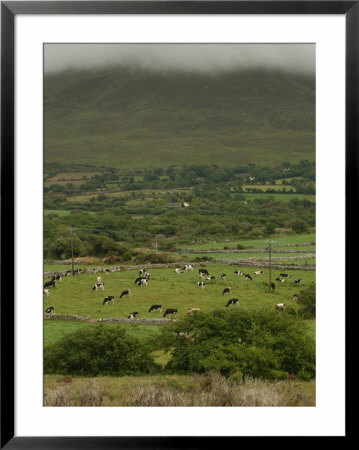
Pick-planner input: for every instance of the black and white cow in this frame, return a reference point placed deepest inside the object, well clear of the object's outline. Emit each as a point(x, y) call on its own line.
point(227, 290)
point(201, 284)
point(284, 275)
point(50, 309)
point(223, 276)
point(57, 277)
point(47, 292)
point(187, 267)
point(272, 286)
point(281, 280)
point(170, 312)
point(238, 272)
point(298, 281)
point(280, 306)
point(259, 272)
point(49, 283)
point(248, 277)
point(178, 271)
point(107, 271)
point(295, 297)
point(143, 282)
point(126, 292)
point(211, 278)
point(132, 315)
point(99, 286)
point(233, 301)
point(155, 308)
point(205, 271)
point(108, 299)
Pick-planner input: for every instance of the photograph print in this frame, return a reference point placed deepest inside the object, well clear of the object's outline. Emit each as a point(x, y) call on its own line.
point(179, 226)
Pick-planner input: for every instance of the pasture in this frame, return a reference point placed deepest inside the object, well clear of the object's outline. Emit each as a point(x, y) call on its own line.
point(291, 241)
point(75, 296)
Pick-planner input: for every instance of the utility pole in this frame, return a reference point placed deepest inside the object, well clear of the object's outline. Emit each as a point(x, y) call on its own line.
point(72, 248)
point(270, 242)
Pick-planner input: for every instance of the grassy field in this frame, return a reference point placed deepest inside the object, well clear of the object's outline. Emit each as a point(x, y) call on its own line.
point(74, 295)
point(175, 390)
point(249, 243)
point(62, 212)
point(55, 329)
point(279, 197)
point(75, 178)
point(149, 194)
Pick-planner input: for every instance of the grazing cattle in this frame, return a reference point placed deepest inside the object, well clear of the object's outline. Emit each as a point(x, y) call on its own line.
point(187, 267)
point(49, 283)
point(238, 272)
point(201, 275)
point(272, 286)
point(233, 301)
point(143, 282)
point(107, 271)
point(298, 281)
point(68, 273)
point(223, 276)
point(155, 308)
point(259, 272)
point(178, 271)
point(295, 297)
point(126, 292)
point(99, 280)
point(50, 309)
point(57, 277)
point(211, 278)
point(204, 271)
point(281, 280)
point(280, 306)
point(284, 275)
point(47, 292)
point(108, 299)
point(132, 315)
point(201, 284)
point(192, 311)
point(99, 286)
point(248, 277)
point(226, 290)
point(170, 312)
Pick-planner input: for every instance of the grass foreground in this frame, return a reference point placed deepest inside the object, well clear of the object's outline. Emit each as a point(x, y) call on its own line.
point(210, 389)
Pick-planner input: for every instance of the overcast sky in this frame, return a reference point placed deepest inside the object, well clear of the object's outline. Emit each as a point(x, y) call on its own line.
point(189, 57)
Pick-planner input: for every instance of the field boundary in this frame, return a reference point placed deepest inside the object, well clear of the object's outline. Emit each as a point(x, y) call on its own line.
point(242, 263)
point(143, 321)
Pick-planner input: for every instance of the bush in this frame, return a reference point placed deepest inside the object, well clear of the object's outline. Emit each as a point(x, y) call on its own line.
point(259, 343)
point(99, 350)
point(307, 298)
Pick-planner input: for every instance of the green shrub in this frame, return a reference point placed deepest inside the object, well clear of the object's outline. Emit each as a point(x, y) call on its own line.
point(99, 350)
point(259, 343)
point(307, 299)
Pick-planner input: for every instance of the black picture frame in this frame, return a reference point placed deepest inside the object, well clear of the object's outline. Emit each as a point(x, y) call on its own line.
point(9, 10)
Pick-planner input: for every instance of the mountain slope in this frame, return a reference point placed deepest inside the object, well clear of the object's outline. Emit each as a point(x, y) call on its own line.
point(123, 118)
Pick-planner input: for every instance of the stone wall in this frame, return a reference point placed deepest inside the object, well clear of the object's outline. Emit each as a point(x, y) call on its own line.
point(74, 317)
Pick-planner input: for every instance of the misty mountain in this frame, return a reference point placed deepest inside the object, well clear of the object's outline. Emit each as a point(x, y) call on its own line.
point(135, 118)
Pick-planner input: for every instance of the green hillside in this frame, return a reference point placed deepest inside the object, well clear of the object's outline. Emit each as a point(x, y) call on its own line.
point(123, 119)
